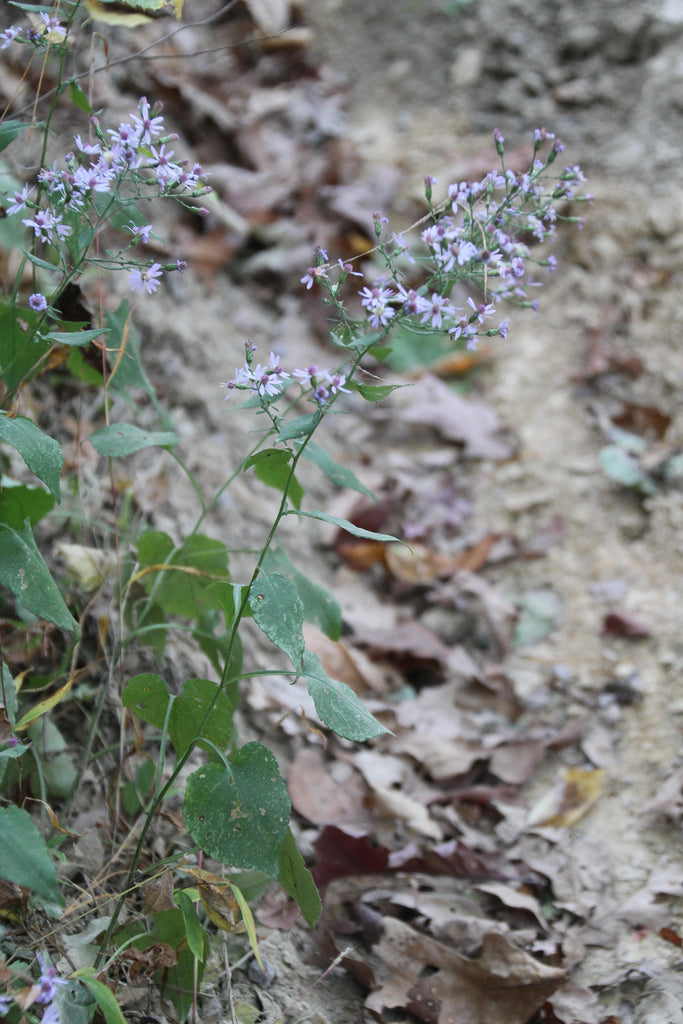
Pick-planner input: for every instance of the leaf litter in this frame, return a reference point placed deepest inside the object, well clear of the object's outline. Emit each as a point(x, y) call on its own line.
point(447, 852)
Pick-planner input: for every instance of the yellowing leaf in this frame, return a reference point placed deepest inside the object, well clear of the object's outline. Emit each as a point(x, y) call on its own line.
point(573, 796)
point(44, 705)
point(224, 903)
point(128, 14)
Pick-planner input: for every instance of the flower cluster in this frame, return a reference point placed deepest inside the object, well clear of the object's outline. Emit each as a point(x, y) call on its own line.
point(42, 993)
point(269, 379)
point(51, 31)
point(134, 156)
point(484, 234)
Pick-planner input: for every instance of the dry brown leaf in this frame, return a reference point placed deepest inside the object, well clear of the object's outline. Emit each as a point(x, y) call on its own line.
point(455, 364)
point(466, 421)
point(575, 793)
point(393, 804)
point(218, 900)
point(318, 798)
point(157, 894)
point(159, 956)
point(338, 661)
point(271, 16)
point(504, 985)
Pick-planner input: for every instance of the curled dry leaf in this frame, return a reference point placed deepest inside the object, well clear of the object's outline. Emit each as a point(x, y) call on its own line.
point(573, 796)
point(504, 985)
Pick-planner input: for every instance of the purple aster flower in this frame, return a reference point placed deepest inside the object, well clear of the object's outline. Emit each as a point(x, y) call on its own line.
point(87, 148)
point(20, 199)
point(242, 379)
point(147, 125)
point(376, 301)
point(52, 26)
point(9, 35)
point(321, 394)
point(312, 275)
point(336, 382)
point(45, 224)
point(481, 310)
point(306, 377)
point(37, 302)
point(438, 308)
point(125, 135)
point(146, 279)
point(96, 178)
point(143, 231)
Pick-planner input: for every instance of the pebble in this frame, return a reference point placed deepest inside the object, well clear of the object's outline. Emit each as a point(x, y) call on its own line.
point(262, 978)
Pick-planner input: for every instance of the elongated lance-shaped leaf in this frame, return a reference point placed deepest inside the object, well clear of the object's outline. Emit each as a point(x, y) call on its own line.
point(344, 524)
point(337, 705)
point(278, 611)
point(320, 605)
point(24, 856)
point(340, 475)
point(23, 571)
point(297, 880)
point(41, 453)
point(126, 439)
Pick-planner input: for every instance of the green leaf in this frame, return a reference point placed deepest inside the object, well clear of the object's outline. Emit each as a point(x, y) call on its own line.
point(154, 547)
point(320, 606)
point(24, 856)
point(104, 998)
point(147, 696)
point(8, 694)
point(279, 613)
point(239, 813)
point(80, 369)
point(189, 708)
point(272, 468)
point(340, 475)
point(37, 262)
point(78, 97)
point(374, 392)
point(9, 131)
point(297, 880)
point(74, 338)
point(57, 772)
point(302, 426)
point(74, 1002)
point(337, 705)
point(196, 936)
point(169, 927)
point(538, 615)
point(124, 357)
point(187, 589)
point(41, 453)
point(344, 524)
point(20, 349)
point(19, 502)
point(622, 466)
point(23, 571)
point(125, 439)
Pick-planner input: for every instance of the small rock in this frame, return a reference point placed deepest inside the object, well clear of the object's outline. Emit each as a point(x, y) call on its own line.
point(467, 67)
point(262, 978)
point(578, 92)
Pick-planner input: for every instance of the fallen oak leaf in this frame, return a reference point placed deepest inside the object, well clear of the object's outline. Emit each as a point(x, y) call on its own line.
point(504, 985)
